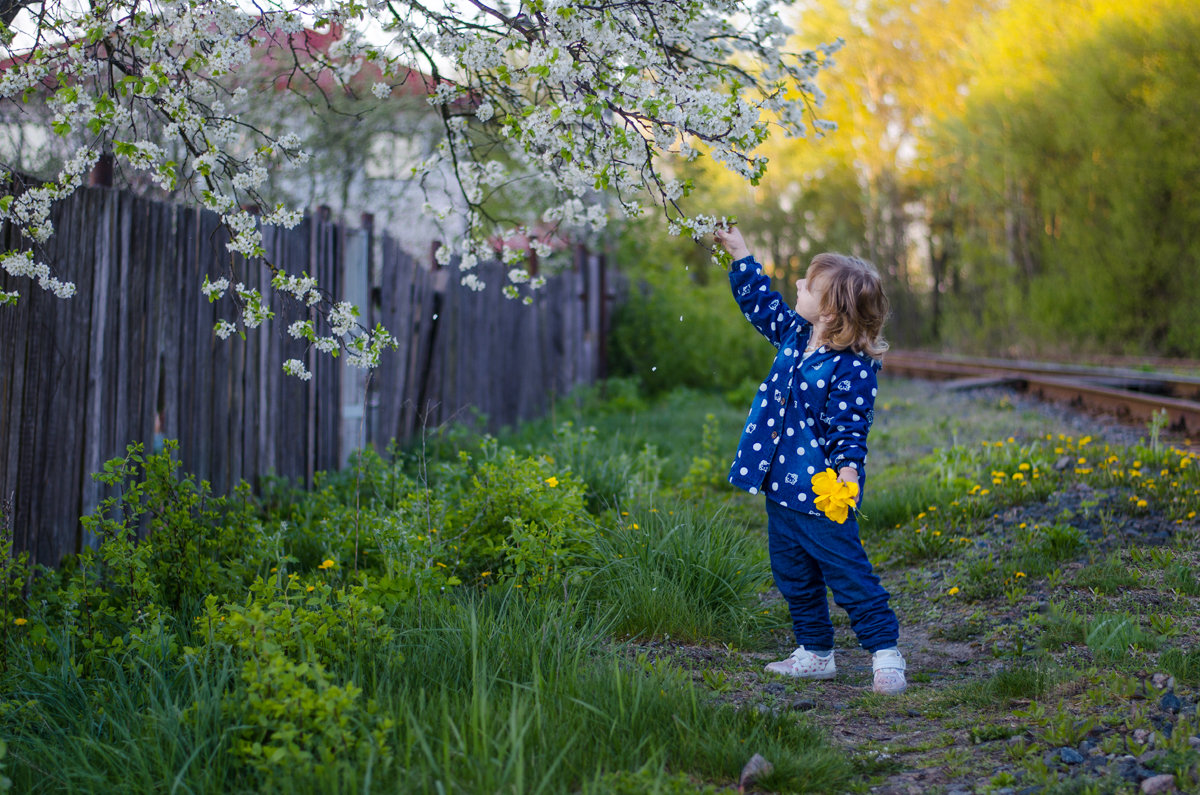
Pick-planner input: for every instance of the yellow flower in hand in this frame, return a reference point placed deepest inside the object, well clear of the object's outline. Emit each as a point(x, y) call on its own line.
point(834, 497)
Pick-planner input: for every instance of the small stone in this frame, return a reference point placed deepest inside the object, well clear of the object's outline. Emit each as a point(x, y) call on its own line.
point(959, 792)
point(1142, 736)
point(755, 769)
point(1133, 772)
point(840, 706)
point(1070, 755)
point(1160, 680)
point(1170, 702)
point(1194, 742)
point(803, 704)
point(1086, 746)
point(1161, 783)
point(776, 688)
point(1150, 756)
point(1034, 790)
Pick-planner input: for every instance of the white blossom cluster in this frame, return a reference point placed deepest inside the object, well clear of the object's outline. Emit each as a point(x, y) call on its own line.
point(296, 368)
point(589, 103)
point(22, 263)
point(593, 99)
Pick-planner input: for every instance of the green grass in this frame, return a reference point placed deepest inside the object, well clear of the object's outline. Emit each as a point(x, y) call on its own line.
point(680, 571)
point(1028, 679)
point(1109, 577)
point(490, 695)
point(601, 682)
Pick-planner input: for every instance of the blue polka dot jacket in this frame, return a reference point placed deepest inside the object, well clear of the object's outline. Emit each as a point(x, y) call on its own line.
point(811, 413)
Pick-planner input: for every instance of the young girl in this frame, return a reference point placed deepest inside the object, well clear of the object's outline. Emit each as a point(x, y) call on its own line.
point(813, 413)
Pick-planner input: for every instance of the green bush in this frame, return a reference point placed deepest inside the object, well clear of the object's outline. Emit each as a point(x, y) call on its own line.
point(672, 331)
point(519, 517)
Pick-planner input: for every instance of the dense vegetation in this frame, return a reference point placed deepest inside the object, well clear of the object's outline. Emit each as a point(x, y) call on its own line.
point(583, 604)
point(1024, 171)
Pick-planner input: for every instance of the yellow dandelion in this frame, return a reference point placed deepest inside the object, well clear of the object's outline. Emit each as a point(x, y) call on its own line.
point(937, 532)
point(485, 574)
point(1023, 467)
point(985, 492)
point(1085, 440)
point(552, 481)
point(1023, 525)
point(635, 526)
point(1142, 503)
point(953, 590)
point(20, 622)
point(327, 564)
point(1019, 574)
point(921, 515)
point(1017, 476)
point(439, 564)
point(311, 588)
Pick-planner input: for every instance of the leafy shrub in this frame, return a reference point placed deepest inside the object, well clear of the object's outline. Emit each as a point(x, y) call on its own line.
point(710, 467)
point(291, 639)
point(610, 472)
point(521, 518)
point(672, 331)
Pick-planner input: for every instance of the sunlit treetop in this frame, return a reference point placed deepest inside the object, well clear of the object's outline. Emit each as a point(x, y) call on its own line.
point(561, 102)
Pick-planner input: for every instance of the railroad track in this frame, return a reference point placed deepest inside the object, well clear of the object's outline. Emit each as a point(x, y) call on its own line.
point(1131, 395)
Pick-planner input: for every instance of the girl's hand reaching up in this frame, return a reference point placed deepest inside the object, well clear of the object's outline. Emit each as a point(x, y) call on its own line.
point(731, 240)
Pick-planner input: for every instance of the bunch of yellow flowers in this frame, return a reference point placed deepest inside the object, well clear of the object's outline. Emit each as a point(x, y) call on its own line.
point(834, 497)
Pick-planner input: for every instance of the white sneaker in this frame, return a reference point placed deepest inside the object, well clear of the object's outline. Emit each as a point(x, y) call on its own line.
point(888, 665)
point(804, 664)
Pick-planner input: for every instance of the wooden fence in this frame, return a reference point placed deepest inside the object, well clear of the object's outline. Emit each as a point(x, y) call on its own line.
point(81, 378)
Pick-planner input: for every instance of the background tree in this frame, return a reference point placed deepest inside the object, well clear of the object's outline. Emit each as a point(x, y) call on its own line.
point(581, 98)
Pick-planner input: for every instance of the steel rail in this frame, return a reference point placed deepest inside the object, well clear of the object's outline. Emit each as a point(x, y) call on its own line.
point(1079, 387)
point(1171, 384)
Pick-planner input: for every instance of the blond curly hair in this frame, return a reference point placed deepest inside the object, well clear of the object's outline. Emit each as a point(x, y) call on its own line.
point(852, 302)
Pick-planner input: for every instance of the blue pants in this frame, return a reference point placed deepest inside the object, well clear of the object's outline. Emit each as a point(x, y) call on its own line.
point(809, 552)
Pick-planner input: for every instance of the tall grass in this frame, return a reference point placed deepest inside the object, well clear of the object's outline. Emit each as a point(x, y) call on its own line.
point(680, 570)
point(492, 694)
